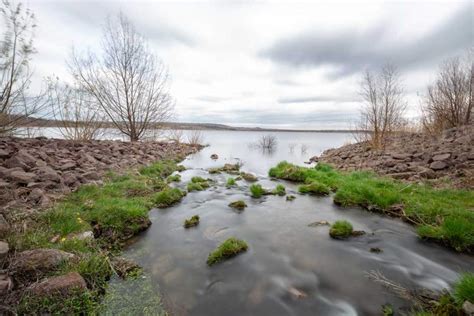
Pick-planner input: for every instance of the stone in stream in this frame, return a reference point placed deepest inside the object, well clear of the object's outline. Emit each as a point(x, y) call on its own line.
point(319, 223)
point(468, 308)
point(214, 156)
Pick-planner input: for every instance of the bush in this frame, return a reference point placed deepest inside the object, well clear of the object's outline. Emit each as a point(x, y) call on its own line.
point(229, 248)
point(341, 230)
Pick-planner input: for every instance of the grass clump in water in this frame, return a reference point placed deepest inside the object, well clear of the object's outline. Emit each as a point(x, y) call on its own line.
point(257, 191)
point(197, 184)
point(290, 197)
point(442, 215)
point(341, 230)
point(228, 249)
point(315, 188)
point(168, 197)
point(230, 182)
point(279, 190)
point(239, 205)
point(193, 221)
point(173, 178)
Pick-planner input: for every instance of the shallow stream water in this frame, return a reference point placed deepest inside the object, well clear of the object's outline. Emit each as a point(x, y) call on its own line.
point(290, 268)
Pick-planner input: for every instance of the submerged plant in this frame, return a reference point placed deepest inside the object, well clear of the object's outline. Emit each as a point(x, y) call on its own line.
point(341, 230)
point(239, 205)
point(193, 221)
point(229, 248)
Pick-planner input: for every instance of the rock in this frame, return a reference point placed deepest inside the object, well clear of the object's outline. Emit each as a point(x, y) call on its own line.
point(214, 156)
point(468, 308)
point(438, 165)
point(48, 174)
point(21, 159)
point(250, 177)
point(60, 285)
point(82, 236)
point(426, 173)
point(319, 223)
point(4, 226)
point(22, 177)
point(375, 250)
point(91, 175)
point(67, 166)
point(38, 260)
point(441, 157)
point(36, 195)
point(124, 266)
point(314, 159)
point(70, 179)
point(297, 294)
point(4, 249)
point(357, 233)
point(399, 156)
point(4, 154)
point(6, 284)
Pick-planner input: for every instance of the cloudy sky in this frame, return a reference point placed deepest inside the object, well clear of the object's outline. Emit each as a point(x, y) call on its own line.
point(269, 63)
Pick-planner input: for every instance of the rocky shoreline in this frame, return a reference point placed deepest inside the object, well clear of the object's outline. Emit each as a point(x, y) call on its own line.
point(413, 157)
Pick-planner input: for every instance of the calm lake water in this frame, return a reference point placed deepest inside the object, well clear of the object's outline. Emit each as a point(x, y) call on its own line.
point(290, 268)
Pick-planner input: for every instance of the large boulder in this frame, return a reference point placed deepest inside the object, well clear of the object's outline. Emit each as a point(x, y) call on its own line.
point(38, 261)
point(59, 285)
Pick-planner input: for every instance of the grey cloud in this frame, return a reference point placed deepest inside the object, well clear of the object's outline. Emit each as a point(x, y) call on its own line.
point(350, 51)
point(320, 98)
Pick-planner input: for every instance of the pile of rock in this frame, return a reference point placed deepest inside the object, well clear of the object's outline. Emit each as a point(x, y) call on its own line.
point(35, 171)
point(413, 157)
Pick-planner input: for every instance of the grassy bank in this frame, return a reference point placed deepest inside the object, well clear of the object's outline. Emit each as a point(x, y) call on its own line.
point(442, 215)
point(113, 212)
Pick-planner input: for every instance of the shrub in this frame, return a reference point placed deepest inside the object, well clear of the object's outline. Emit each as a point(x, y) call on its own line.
point(341, 230)
point(193, 221)
point(229, 248)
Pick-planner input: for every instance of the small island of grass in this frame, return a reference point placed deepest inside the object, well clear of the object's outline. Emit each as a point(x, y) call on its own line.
point(341, 230)
point(228, 249)
point(193, 221)
point(238, 205)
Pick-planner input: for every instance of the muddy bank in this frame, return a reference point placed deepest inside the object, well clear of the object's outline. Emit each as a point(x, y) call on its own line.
point(414, 157)
point(34, 172)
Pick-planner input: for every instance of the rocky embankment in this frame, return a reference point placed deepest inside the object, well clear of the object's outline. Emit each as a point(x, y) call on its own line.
point(413, 157)
point(35, 172)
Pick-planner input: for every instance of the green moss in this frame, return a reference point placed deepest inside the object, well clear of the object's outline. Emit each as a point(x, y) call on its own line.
point(160, 169)
point(230, 182)
point(315, 188)
point(229, 248)
point(191, 186)
point(239, 205)
point(193, 221)
point(197, 184)
point(442, 215)
point(198, 180)
point(173, 178)
point(257, 191)
point(279, 190)
point(341, 230)
point(464, 288)
point(168, 197)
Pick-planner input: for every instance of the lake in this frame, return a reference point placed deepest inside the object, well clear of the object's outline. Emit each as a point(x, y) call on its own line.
point(290, 268)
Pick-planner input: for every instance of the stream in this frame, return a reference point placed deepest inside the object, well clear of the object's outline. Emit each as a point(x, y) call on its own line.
point(290, 268)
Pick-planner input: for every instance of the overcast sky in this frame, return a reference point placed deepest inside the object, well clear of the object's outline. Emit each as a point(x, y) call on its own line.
point(248, 63)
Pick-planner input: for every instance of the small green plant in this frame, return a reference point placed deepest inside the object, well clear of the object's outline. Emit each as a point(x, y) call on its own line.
point(315, 188)
point(230, 182)
point(464, 288)
point(193, 221)
point(198, 180)
point(239, 205)
point(279, 190)
point(387, 310)
point(341, 230)
point(193, 186)
point(168, 197)
point(229, 248)
point(257, 191)
point(173, 178)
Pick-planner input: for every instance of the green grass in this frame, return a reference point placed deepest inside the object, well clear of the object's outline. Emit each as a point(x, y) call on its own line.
point(193, 221)
point(315, 187)
point(168, 197)
point(173, 178)
point(197, 184)
point(229, 248)
point(341, 230)
point(239, 205)
point(257, 191)
point(442, 215)
point(464, 288)
point(230, 182)
point(279, 190)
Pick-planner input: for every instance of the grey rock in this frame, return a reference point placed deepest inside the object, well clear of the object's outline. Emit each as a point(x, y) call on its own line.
point(37, 261)
point(59, 285)
point(4, 249)
point(6, 284)
point(468, 308)
point(441, 157)
point(22, 177)
point(438, 165)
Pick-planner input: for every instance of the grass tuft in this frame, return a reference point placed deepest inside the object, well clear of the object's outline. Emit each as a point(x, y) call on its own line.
point(239, 205)
point(229, 248)
point(230, 182)
point(193, 221)
point(464, 288)
point(341, 230)
point(315, 188)
point(257, 191)
point(168, 197)
point(279, 190)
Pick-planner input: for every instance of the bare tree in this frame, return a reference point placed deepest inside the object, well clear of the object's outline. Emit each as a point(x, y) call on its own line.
point(195, 137)
point(449, 100)
point(16, 51)
point(267, 142)
point(76, 111)
point(129, 83)
point(384, 105)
